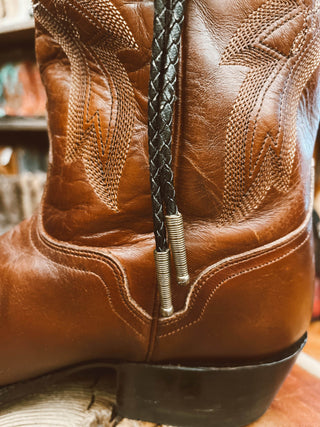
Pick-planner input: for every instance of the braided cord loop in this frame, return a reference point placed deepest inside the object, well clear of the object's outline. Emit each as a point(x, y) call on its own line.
point(155, 84)
point(167, 101)
point(168, 20)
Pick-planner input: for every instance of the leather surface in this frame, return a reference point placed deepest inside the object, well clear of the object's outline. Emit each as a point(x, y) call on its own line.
point(60, 307)
point(78, 279)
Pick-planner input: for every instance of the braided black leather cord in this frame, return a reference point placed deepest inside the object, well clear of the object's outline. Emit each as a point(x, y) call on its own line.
point(168, 20)
point(167, 100)
point(156, 76)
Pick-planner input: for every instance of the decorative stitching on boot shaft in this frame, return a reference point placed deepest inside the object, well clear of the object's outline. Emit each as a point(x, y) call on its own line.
point(102, 145)
point(255, 163)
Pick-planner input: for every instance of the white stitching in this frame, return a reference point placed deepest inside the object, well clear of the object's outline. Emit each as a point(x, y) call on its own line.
point(105, 287)
point(226, 280)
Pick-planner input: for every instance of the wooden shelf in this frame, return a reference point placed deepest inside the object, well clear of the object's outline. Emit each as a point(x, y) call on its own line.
point(18, 124)
point(16, 31)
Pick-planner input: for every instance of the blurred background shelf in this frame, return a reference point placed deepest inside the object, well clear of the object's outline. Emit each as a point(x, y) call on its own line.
point(24, 139)
point(23, 124)
point(15, 31)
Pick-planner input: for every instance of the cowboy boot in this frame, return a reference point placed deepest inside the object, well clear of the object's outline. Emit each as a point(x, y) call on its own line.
point(82, 286)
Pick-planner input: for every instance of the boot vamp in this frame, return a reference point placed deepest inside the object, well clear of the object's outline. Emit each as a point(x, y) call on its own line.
point(60, 309)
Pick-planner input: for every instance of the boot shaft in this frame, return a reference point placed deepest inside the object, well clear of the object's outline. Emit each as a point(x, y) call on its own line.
point(245, 121)
point(94, 63)
point(244, 126)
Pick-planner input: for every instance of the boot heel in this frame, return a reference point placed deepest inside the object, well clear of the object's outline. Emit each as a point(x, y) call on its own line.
point(198, 397)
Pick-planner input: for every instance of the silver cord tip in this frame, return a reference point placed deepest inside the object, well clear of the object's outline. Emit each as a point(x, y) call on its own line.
point(178, 247)
point(162, 260)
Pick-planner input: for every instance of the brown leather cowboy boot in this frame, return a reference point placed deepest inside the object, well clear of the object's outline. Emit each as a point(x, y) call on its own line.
point(78, 281)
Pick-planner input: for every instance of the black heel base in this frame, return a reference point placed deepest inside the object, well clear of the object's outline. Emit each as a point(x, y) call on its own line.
point(198, 397)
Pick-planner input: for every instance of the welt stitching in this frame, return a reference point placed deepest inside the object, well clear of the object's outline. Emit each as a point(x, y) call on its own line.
point(104, 285)
point(230, 278)
point(203, 280)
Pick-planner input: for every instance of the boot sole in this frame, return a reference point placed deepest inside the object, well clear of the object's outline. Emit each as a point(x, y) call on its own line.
point(220, 396)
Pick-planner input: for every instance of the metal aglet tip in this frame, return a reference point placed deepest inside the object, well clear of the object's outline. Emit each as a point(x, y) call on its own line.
point(178, 247)
point(162, 260)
